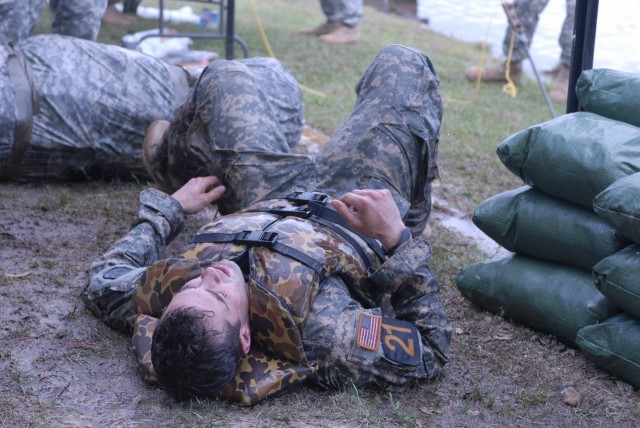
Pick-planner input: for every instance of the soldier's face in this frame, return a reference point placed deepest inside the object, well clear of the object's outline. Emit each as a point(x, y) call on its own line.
point(221, 291)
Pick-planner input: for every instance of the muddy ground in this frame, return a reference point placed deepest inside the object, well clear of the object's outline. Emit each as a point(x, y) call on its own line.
point(59, 366)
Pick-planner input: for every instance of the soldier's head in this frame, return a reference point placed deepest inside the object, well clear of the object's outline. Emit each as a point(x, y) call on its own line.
point(198, 341)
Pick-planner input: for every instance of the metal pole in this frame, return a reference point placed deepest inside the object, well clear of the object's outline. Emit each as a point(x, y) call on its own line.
point(231, 13)
point(584, 39)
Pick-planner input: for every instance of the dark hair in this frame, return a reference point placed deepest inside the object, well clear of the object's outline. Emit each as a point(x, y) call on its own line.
point(191, 361)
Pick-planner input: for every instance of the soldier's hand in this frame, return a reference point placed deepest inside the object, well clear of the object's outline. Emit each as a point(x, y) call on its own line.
point(372, 213)
point(199, 192)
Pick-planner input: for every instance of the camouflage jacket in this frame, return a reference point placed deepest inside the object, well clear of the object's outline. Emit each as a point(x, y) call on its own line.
point(284, 280)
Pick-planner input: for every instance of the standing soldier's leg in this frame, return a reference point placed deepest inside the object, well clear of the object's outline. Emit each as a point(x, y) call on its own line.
point(78, 18)
point(18, 18)
point(391, 139)
point(229, 128)
point(348, 12)
point(566, 34)
point(528, 12)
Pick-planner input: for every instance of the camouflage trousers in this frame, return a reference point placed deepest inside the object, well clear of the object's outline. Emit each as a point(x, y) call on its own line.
point(95, 104)
point(349, 12)
point(78, 18)
point(529, 11)
point(226, 128)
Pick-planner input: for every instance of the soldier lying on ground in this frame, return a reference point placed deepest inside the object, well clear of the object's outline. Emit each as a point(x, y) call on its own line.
point(289, 285)
point(75, 109)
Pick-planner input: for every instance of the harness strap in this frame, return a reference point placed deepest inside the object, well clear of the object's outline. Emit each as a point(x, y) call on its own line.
point(261, 239)
point(307, 213)
point(317, 203)
point(26, 103)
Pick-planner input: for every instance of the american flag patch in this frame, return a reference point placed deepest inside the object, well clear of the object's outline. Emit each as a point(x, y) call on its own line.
point(369, 331)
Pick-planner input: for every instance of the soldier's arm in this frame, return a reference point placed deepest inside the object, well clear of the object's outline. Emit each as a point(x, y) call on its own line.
point(160, 219)
point(408, 279)
point(405, 275)
point(113, 276)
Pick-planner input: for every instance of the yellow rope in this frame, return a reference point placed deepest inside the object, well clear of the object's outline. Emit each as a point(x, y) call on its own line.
point(270, 51)
point(483, 55)
point(510, 87)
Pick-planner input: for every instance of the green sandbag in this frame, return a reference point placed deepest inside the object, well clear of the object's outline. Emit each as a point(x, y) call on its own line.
point(549, 297)
point(614, 346)
point(532, 223)
point(618, 278)
point(619, 205)
point(610, 93)
point(573, 157)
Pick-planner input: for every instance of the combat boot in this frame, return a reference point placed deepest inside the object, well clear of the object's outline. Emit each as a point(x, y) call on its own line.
point(496, 73)
point(323, 29)
point(561, 87)
point(342, 35)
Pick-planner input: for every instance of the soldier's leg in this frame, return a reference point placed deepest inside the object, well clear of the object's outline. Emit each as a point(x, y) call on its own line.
point(528, 12)
point(78, 18)
point(283, 95)
point(390, 140)
point(18, 18)
point(348, 12)
point(227, 127)
point(566, 34)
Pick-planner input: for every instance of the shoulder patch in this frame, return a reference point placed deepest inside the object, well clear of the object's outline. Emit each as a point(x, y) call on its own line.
point(369, 331)
point(401, 341)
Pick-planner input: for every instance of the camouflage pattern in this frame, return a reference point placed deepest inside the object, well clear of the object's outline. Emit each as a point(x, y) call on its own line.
point(77, 18)
point(349, 12)
point(315, 317)
point(94, 127)
point(390, 140)
point(529, 12)
point(114, 275)
point(227, 129)
point(287, 319)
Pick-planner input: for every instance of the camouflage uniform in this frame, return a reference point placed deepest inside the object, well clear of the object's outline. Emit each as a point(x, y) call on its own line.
point(78, 18)
point(227, 129)
point(94, 126)
point(349, 12)
point(529, 11)
point(389, 141)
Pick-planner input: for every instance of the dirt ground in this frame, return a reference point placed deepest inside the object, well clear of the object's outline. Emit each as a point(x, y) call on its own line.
point(59, 366)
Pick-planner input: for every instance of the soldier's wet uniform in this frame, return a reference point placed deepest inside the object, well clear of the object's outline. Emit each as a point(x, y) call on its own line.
point(357, 315)
point(90, 106)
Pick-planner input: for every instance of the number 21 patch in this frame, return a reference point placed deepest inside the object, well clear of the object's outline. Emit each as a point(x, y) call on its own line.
point(401, 341)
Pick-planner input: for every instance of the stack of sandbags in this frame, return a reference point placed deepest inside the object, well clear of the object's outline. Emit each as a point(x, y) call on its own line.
point(577, 218)
point(615, 344)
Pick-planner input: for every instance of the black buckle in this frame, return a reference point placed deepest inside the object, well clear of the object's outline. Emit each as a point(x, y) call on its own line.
point(257, 237)
point(301, 212)
point(300, 197)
